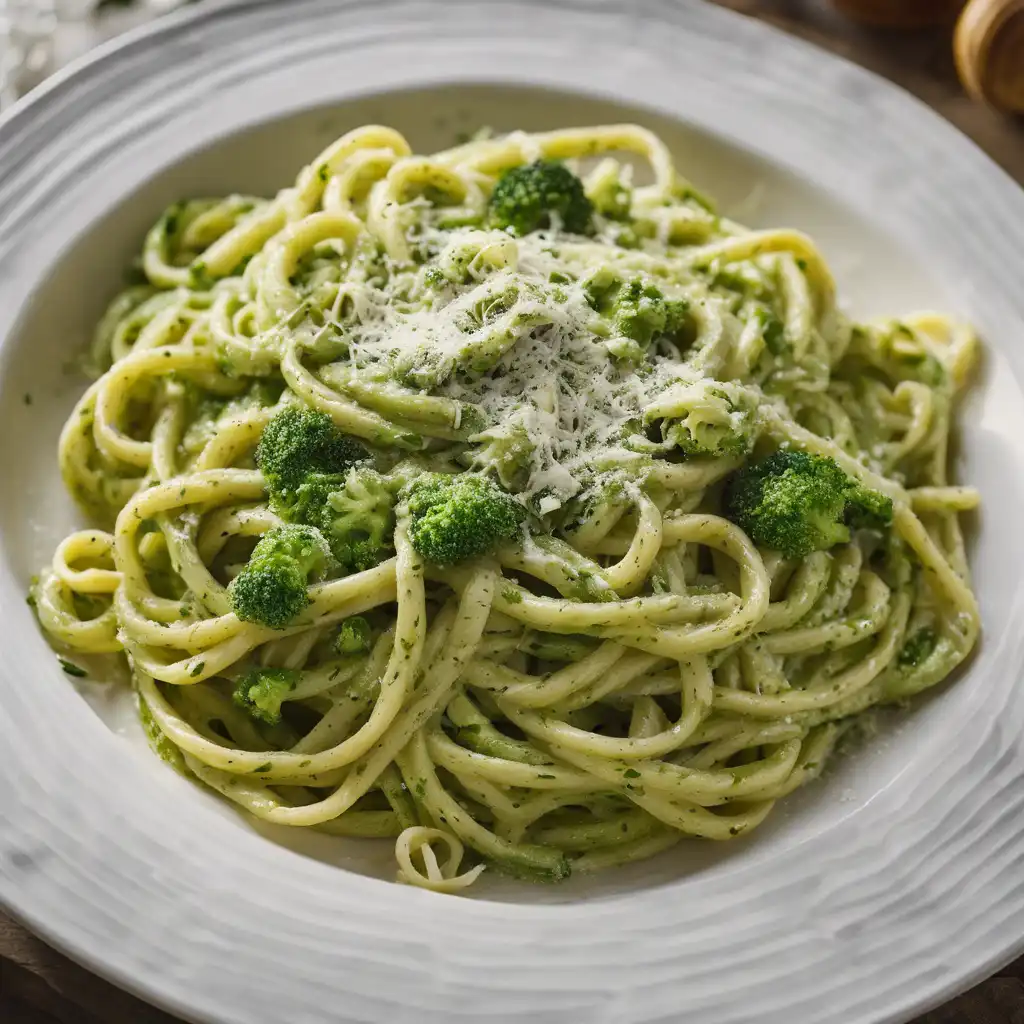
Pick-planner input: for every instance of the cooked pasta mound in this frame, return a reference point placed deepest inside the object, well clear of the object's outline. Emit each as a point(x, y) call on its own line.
point(508, 502)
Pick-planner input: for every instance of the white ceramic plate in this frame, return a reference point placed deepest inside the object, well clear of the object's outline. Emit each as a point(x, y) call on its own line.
point(882, 890)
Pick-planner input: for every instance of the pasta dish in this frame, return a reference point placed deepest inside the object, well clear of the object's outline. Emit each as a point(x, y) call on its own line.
point(508, 503)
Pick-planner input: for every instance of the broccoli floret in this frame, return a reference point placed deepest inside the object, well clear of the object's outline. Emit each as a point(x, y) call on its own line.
point(533, 196)
point(869, 510)
point(641, 312)
point(297, 446)
point(917, 648)
point(704, 418)
point(797, 503)
point(306, 504)
point(271, 589)
point(459, 517)
point(354, 636)
point(358, 519)
point(262, 691)
point(638, 309)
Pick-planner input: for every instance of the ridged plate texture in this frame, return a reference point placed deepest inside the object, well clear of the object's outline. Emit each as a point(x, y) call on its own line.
point(869, 913)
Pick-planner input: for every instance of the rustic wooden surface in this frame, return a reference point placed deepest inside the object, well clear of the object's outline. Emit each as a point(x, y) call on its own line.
point(39, 986)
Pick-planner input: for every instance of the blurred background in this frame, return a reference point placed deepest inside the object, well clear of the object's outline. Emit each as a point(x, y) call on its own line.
point(976, 44)
point(39, 36)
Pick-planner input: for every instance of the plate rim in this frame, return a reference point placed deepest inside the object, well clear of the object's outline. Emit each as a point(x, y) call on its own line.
point(186, 19)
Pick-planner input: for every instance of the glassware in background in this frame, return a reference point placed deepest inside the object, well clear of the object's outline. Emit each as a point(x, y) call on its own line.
point(27, 29)
point(39, 36)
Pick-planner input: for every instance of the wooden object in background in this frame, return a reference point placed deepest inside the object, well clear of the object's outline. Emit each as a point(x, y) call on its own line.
point(900, 13)
point(989, 49)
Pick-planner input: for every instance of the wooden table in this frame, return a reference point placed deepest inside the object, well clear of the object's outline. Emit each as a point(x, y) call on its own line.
point(39, 986)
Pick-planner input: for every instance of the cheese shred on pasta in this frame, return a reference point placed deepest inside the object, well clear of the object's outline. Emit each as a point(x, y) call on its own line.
point(630, 661)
